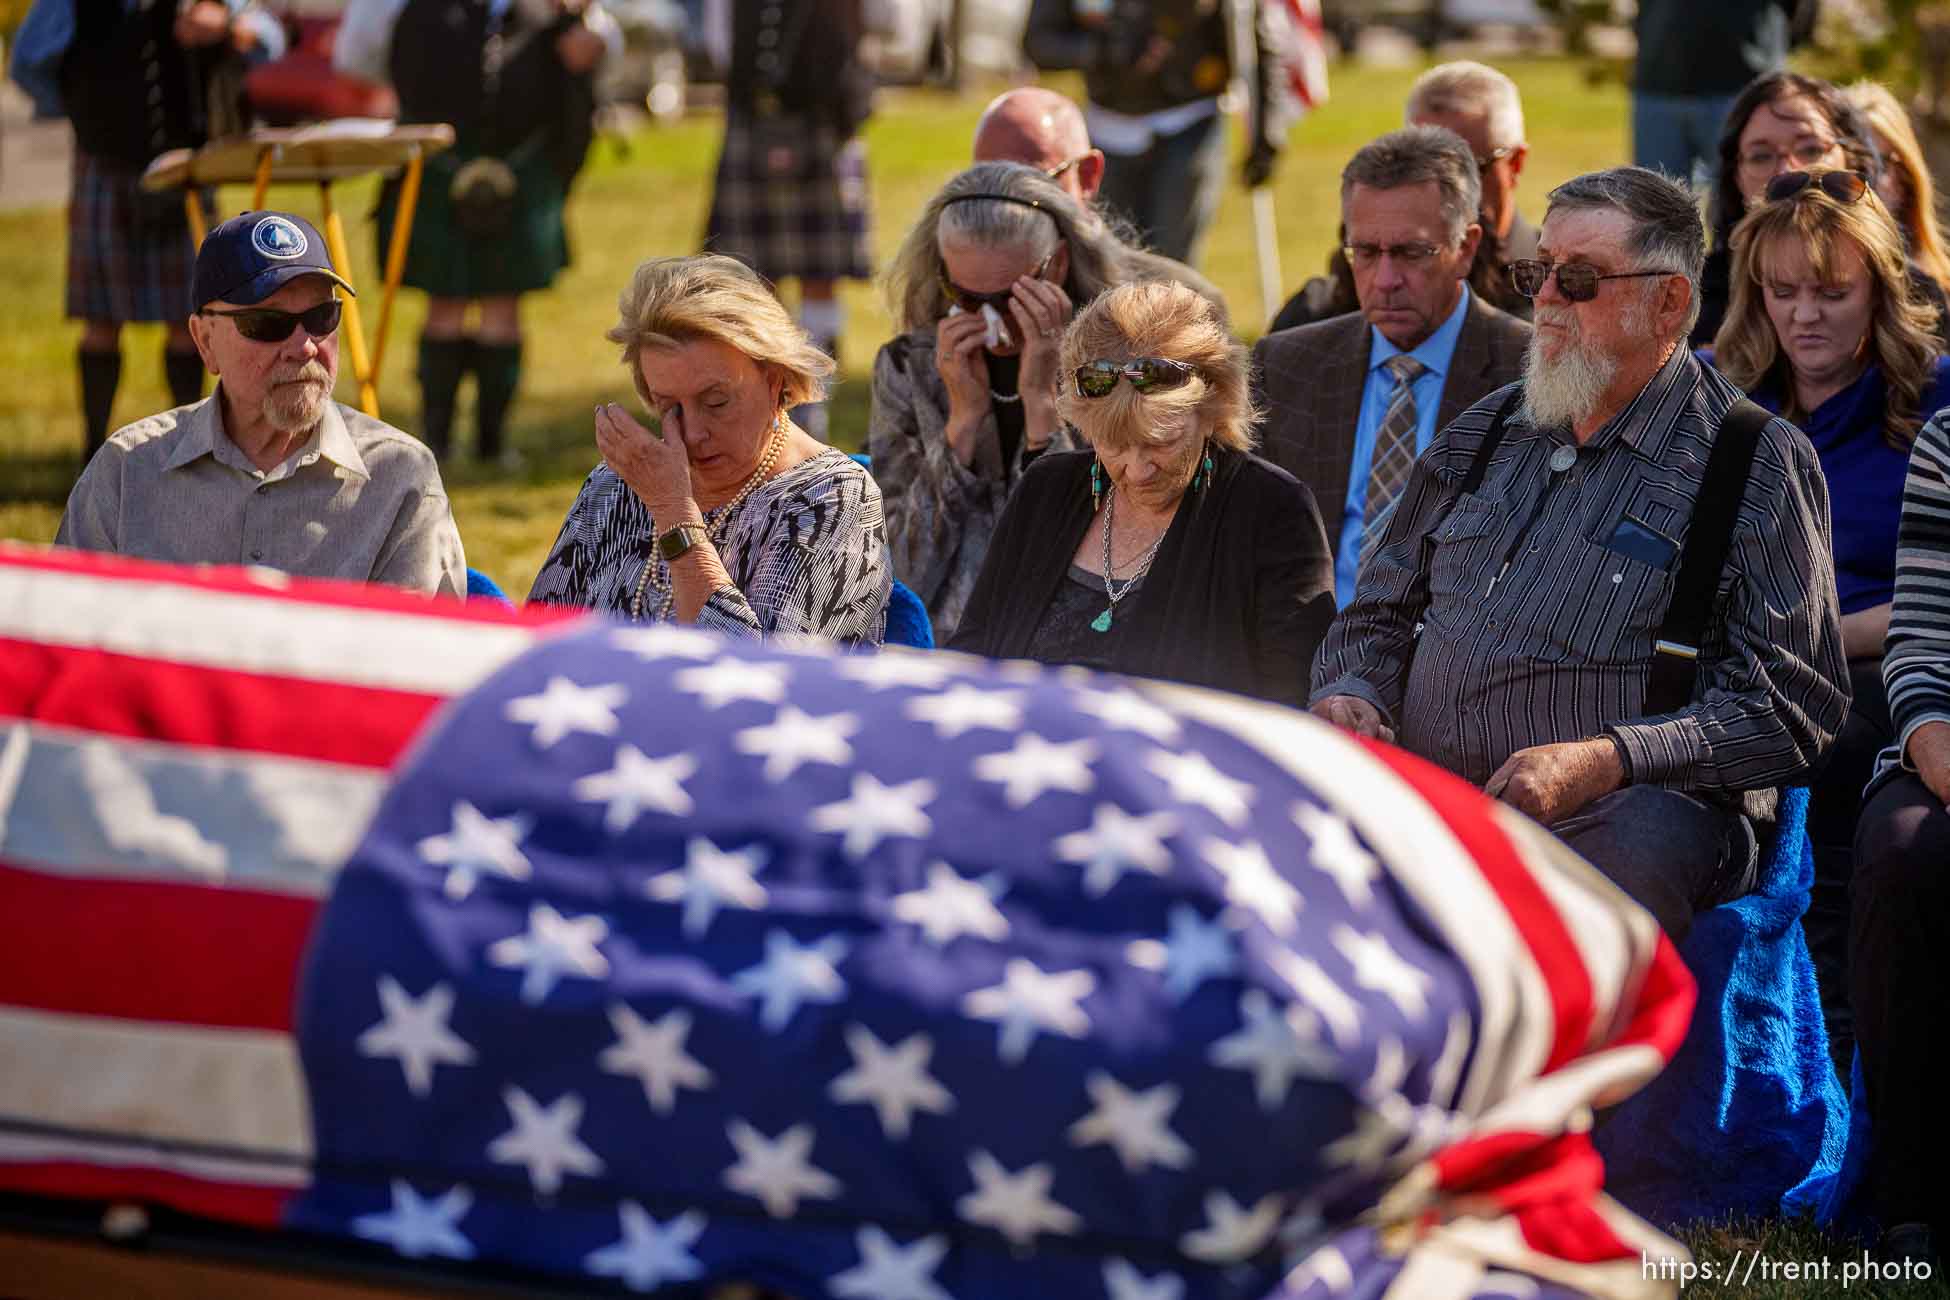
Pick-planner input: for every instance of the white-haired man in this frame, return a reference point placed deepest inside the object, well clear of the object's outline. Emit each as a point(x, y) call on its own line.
point(269, 469)
point(1482, 106)
point(1610, 603)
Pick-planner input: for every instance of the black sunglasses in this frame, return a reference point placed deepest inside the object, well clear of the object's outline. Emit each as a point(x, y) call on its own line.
point(1841, 186)
point(1146, 374)
point(970, 301)
point(268, 325)
point(1575, 281)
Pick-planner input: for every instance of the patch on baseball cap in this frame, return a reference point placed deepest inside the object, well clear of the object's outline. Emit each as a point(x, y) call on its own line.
point(276, 236)
point(254, 254)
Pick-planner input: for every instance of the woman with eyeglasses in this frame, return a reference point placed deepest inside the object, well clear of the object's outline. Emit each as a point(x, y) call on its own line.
point(1167, 549)
point(1827, 329)
point(1782, 122)
point(1906, 187)
point(964, 398)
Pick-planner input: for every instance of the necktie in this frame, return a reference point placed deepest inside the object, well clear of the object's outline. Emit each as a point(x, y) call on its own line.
point(1394, 450)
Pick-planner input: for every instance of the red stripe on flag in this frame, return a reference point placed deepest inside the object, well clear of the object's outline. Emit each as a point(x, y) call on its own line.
point(257, 1207)
point(145, 950)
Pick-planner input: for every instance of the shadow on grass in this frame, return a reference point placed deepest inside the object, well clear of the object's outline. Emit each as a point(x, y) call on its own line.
point(39, 478)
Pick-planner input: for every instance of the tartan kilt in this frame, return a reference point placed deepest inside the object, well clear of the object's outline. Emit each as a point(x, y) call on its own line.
point(129, 251)
point(446, 261)
point(814, 224)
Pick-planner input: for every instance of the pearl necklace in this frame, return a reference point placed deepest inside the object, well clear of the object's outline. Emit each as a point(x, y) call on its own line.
point(714, 529)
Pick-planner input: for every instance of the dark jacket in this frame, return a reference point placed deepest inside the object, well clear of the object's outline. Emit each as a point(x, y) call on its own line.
point(1699, 48)
point(821, 76)
point(1239, 596)
point(131, 91)
point(1309, 382)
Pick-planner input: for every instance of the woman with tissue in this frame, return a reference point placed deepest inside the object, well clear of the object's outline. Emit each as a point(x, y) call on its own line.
point(964, 399)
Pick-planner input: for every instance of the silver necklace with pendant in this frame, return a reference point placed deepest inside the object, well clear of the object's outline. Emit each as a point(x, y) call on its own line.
point(1112, 590)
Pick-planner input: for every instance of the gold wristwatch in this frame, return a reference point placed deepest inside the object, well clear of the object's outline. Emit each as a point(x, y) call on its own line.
point(677, 543)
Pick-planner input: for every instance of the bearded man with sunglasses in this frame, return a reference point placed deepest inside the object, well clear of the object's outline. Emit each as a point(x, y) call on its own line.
point(269, 470)
point(1606, 595)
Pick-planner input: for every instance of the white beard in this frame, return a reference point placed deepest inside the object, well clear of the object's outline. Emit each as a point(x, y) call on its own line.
point(1564, 391)
point(294, 409)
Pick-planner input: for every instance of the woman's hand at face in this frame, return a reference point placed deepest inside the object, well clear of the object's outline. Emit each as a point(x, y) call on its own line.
point(657, 469)
point(958, 359)
point(1042, 312)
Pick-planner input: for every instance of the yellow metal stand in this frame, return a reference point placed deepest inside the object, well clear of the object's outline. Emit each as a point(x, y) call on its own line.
point(355, 334)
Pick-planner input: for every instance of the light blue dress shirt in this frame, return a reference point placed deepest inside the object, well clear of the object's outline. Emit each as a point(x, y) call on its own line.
point(1434, 353)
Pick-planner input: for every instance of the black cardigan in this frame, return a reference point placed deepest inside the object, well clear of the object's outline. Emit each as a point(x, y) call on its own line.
point(1240, 594)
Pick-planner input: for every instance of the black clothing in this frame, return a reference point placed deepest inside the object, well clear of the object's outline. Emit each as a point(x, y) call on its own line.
point(804, 52)
point(118, 58)
point(1698, 49)
point(1238, 597)
point(1004, 373)
point(1064, 636)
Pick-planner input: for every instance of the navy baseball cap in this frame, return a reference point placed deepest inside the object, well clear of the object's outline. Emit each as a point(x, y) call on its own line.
point(254, 254)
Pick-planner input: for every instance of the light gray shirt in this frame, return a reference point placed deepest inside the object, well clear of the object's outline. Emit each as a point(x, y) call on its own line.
point(359, 501)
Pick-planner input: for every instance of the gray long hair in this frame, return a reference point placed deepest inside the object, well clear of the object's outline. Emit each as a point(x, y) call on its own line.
point(1035, 216)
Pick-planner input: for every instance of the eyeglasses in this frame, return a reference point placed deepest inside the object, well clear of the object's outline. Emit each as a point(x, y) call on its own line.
point(1807, 153)
point(1841, 186)
point(1494, 157)
point(970, 301)
point(1146, 374)
point(268, 325)
point(1575, 280)
point(1365, 255)
point(1056, 173)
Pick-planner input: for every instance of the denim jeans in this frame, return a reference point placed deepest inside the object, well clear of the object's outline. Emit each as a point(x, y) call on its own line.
point(1674, 854)
point(1171, 192)
point(1679, 135)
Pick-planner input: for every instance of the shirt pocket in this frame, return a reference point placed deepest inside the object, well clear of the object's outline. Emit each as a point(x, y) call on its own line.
point(1464, 555)
point(1618, 621)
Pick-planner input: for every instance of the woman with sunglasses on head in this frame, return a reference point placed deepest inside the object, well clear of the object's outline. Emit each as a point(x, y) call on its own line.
point(723, 512)
point(1782, 122)
point(964, 399)
point(1827, 329)
point(1167, 549)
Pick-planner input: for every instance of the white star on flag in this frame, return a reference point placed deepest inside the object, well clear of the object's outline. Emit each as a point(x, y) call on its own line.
point(637, 784)
point(1035, 765)
point(725, 680)
point(950, 907)
point(1232, 1232)
point(1117, 842)
point(418, 1228)
point(1327, 1266)
point(1029, 999)
point(776, 1171)
point(890, 667)
point(888, 1271)
point(475, 846)
point(654, 1053)
point(794, 738)
point(1133, 1124)
point(1318, 991)
point(963, 708)
point(1122, 1281)
point(1271, 1046)
point(894, 1079)
point(1379, 1129)
point(649, 1253)
point(1252, 882)
point(1192, 779)
point(1016, 1205)
point(1337, 852)
point(1195, 950)
point(415, 1032)
point(874, 812)
point(564, 708)
point(1390, 1069)
point(791, 975)
point(1379, 967)
point(711, 878)
point(553, 946)
point(664, 641)
point(544, 1141)
point(1124, 709)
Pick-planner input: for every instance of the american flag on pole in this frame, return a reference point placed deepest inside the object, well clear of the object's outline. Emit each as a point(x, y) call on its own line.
point(661, 960)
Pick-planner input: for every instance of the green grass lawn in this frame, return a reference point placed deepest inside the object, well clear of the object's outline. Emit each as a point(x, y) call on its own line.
point(646, 195)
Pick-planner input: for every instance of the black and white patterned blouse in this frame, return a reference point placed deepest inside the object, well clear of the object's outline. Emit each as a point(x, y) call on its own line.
point(807, 553)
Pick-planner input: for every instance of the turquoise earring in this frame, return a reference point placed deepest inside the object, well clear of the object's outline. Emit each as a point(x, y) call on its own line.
point(1096, 484)
point(1204, 474)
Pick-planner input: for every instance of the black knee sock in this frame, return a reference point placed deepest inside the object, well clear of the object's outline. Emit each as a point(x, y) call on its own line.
point(441, 363)
point(100, 373)
point(497, 373)
point(184, 373)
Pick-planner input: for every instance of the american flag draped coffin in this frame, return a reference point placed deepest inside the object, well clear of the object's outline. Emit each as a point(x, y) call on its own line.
point(660, 959)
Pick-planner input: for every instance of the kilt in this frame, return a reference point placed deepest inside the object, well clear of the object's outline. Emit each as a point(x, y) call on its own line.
point(129, 251)
point(814, 223)
point(447, 262)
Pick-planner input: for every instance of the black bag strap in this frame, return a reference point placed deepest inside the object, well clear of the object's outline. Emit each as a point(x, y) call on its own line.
point(1703, 558)
point(1479, 465)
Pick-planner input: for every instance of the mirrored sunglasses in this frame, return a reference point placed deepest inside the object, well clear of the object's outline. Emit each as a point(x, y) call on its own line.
point(1841, 186)
point(1146, 374)
point(1576, 281)
point(269, 325)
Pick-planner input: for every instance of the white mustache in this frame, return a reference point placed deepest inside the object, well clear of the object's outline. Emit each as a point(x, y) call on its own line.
point(311, 372)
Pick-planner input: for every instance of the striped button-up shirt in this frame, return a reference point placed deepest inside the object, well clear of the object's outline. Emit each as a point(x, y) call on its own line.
point(1525, 613)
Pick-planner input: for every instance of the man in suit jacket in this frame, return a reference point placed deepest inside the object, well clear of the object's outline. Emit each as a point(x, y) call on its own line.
point(1351, 401)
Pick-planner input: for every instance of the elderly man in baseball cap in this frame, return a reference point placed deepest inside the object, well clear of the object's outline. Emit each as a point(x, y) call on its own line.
point(269, 469)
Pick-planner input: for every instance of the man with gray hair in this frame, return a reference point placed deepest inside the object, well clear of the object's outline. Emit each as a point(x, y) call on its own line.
point(1351, 401)
point(1482, 106)
point(1606, 594)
